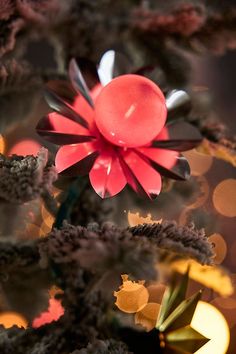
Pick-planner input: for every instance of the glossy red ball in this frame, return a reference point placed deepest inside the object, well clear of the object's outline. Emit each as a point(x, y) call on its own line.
point(130, 111)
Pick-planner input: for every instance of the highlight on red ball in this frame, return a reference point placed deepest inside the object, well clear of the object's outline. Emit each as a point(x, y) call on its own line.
point(130, 111)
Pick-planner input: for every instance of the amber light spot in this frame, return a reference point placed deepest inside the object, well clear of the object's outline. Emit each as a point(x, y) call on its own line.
point(147, 317)
point(2, 144)
point(10, 319)
point(224, 197)
point(25, 147)
point(132, 297)
point(220, 248)
point(210, 322)
point(199, 163)
point(212, 277)
point(136, 219)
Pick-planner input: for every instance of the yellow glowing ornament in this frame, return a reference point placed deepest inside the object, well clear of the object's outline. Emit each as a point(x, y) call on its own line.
point(10, 319)
point(211, 323)
point(135, 219)
point(132, 297)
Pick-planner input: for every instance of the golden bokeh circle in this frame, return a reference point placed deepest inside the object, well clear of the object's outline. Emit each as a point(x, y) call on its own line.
point(147, 317)
point(9, 319)
point(224, 197)
point(220, 248)
point(132, 297)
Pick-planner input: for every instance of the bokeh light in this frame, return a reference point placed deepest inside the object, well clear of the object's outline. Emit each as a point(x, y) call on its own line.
point(224, 197)
point(199, 163)
point(25, 147)
point(2, 144)
point(210, 322)
point(10, 319)
point(136, 219)
point(132, 297)
point(147, 317)
point(220, 248)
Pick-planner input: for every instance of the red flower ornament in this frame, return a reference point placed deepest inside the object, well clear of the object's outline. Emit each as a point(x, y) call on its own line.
point(117, 134)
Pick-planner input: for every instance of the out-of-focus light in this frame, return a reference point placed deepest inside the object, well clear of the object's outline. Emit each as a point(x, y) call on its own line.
point(220, 247)
point(213, 277)
point(54, 312)
point(199, 163)
point(25, 147)
point(210, 322)
point(48, 218)
point(156, 292)
point(136, 219)
point(147, 317)
point(2, 144)
point(10, 319)
point(224, 197)
point(225, 303)
point(132, 297)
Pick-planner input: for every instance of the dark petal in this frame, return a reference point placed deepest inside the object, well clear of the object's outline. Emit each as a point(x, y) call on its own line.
point(182, 137)
point(63, 138)
point(60, 106)
point(78, 82)
point(180, 170)
point(178, 103)
point(132, 180)
point(63, 89)
point(89, 71)
point(82, 167)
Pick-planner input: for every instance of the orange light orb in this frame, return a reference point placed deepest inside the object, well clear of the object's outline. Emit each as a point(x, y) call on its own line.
point(147, 317)
point(25, 147)
point(220, 248)
point(10, 319)
point(199, 163)
point(224, 197)
point(132, 297)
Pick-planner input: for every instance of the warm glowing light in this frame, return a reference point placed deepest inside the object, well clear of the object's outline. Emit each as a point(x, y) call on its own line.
point(48, 218)
point(220, 247)
point(212, 277)
point(147, 317)
point(132, 297)
point(135, 219)
point(156, 292)
point(25, 147)
point(199, 163)
point(32, 231)
point(2, 144)
point(225, 303)
point(210, 322)
point(224, 197)
point(10, 319)
point(54, 312)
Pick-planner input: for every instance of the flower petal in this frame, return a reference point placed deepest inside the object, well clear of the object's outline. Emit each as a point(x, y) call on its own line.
point(60, 106)
point(140, 175)
point(178, 102)
point(62, 138)
point(107, 176)
point(78, 82)
point(76, 159)
point(60, 124)
point(182, 137)
point(167, 162)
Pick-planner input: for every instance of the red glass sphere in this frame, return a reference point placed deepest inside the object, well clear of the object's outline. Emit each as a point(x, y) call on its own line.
point(130, 111)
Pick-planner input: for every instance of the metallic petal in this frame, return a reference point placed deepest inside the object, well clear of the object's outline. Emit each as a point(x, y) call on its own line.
point(78, 82)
